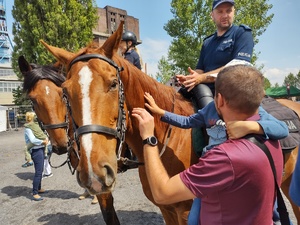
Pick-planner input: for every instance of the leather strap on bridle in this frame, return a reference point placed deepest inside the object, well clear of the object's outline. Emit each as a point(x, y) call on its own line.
point(119, 132)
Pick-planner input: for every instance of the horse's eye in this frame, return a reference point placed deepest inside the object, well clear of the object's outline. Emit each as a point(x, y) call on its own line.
point(114, 84)
point(33, 100)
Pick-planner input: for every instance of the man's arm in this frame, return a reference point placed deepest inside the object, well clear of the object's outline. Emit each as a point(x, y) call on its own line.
point(165, 190)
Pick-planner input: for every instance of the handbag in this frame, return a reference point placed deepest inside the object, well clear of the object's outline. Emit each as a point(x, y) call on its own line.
point(283, 213)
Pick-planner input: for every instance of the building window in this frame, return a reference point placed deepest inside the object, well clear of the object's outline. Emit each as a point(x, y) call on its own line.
point(6, 72)
point(9, 86)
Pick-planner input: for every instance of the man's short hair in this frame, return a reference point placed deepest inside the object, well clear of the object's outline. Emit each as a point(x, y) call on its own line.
point(242, 87)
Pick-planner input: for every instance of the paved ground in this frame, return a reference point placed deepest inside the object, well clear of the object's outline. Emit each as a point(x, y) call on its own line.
point(61, 205)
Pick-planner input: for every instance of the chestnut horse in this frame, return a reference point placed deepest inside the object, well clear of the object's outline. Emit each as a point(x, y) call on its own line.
point(42, 85)
point(93, 89)
point(94, 86)
point(290, 160)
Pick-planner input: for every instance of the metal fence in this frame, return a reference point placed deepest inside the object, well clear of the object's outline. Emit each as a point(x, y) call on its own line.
point(16, 116)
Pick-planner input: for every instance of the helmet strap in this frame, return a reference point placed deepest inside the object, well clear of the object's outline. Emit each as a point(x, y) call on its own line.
point(127, 46)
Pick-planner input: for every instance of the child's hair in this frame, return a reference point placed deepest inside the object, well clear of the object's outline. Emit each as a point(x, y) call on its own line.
point(29, 116)
point(141, 60)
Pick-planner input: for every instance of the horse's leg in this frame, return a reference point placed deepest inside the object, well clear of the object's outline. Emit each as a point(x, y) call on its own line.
point(178, 215)
point(289, 166)
point(106, 202)
point(169, 215)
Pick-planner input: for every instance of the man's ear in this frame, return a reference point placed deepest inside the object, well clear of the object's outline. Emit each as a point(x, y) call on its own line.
point(220, 100)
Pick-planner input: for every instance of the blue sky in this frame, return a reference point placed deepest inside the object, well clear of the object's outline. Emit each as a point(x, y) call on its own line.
point(279, 45)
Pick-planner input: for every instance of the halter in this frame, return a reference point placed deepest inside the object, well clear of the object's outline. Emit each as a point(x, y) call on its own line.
point(119, 131)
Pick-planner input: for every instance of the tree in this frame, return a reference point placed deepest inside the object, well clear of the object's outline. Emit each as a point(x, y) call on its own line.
point(267, 83)
point(291, 79)
point(165, 71)
point(19, 97)
point(63, 23)
point(192, 23)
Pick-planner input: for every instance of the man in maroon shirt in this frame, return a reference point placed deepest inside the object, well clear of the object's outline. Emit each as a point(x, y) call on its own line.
point(234, 179)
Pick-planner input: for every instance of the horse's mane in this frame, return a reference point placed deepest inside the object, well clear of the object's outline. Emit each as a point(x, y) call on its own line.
point(163, 94)
point(47, 72)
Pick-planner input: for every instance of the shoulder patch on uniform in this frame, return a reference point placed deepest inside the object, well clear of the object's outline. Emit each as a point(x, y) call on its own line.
point(245, 27)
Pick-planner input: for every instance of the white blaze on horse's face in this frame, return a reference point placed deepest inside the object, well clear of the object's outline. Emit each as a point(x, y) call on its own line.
point(47, 89)
point(85, 79)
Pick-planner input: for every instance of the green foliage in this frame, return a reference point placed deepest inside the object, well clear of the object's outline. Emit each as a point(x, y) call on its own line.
point(293, 80)
point(277, 85)
point(191, 23)
point(63, 23)
point(165, 71)
point(19, 97)
point(267, 83)
point(66, 24)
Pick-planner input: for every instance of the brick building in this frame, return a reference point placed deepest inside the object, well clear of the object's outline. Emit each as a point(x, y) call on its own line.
point(109, 20)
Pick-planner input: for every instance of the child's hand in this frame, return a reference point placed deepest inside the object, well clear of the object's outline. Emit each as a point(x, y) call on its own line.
point(151, 105)
point(238, 129)
point(45, 142)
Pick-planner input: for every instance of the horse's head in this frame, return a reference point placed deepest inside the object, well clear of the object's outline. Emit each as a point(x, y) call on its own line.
point(42, 85)
point(93, 91)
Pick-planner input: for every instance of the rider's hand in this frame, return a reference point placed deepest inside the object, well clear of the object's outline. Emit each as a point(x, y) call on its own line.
point(191, 80)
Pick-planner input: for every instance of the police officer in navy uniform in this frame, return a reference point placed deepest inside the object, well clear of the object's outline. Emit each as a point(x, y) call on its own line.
point(127, 46)
point(229, 42)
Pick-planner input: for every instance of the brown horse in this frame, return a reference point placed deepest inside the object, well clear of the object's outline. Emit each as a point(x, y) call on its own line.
point(93, 88)
point(42, 85)
point(290, 160)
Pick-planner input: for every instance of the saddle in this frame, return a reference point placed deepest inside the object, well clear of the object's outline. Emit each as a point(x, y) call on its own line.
point(288, 116)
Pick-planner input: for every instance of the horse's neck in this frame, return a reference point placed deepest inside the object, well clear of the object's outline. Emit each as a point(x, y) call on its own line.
point(136, 83)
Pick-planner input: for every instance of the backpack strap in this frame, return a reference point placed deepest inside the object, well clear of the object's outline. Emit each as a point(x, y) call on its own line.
point(283, 213)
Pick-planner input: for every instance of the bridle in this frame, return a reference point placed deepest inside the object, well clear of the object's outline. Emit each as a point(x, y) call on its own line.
point(44, 128)
point(119, 131)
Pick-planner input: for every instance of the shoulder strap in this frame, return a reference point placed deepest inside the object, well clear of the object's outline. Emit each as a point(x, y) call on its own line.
point(283, 213)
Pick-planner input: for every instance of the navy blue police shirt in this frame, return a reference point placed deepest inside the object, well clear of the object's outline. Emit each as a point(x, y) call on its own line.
point(236, 43)
point(134, 58)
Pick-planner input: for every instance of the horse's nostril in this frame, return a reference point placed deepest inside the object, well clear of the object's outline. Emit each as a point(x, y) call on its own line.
point(110, 175)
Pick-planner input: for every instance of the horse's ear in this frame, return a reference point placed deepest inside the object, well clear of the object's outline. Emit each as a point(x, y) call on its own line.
point(24, 65)
point(63, 56)
point(111, 45)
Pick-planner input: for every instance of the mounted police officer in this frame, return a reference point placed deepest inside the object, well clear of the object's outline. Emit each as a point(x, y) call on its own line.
point(129, 50)
point(229, 42)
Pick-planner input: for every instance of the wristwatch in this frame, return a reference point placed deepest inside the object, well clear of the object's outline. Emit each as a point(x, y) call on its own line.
point(152, 140)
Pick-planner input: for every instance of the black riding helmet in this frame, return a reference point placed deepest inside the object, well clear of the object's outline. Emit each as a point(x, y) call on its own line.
point(129, 36)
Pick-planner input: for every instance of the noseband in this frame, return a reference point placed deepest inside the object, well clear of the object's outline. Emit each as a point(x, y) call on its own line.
point(119, 131)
